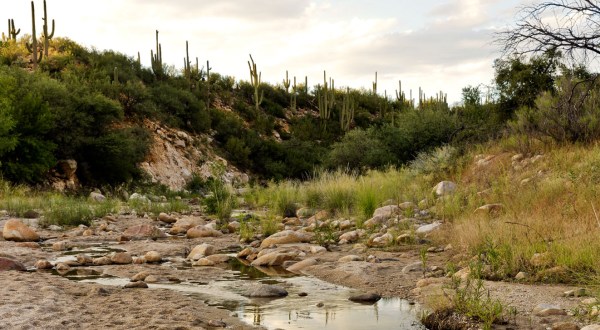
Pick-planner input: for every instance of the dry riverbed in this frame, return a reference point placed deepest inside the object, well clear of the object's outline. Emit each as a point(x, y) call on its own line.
point(81, 292)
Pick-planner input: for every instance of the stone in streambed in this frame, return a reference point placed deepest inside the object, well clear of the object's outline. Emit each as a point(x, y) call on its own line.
point(152, 257)
point(166, 218)
point(299, 266)
point(365, 298)
point(43, 264)
point(286, 237)
point(15, 230)
point(202, 231)
point(143, 232)
point(121, 258)
point(202, 250)
point(9, 264)
point(136, 285)
point(265, 291)
point(272, 259)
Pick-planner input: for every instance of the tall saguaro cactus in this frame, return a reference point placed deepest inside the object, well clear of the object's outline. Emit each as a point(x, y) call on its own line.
point(293, 96)
point(187, 70)
point(347, 113)
point(255, 80)
point(33, 46)
point(47, 36)
point(326, 98)
point(375, 84)
point(156, 59)
point(208, 68)
point(286, 82)
point(12, 32)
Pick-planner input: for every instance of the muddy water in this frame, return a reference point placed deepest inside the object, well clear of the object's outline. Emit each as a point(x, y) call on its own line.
point(326, 306)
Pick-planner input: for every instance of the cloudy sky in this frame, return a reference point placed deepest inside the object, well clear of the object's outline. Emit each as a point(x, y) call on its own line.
point(438, 45)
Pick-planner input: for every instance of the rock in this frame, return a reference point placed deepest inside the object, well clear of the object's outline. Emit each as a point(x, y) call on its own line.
point(346, 224)
point(387, 211)
point(548, 310)
point(152, 257)
point(265, 291)
point(297, 267)
point(61, 266)
point(136, 285)
point(217, 324)
point(98, 291)
point(521, 276)
point(184, 224)
point(320, 304)
point(233, 226)
point(29, 245)
point(9, 264)
point(428, 228)
point(218, 258)
point(43, 264)
point(273, 259)
point(541, 259)
point(84, 259)
point(564, 326)
point(88, 232)
point(152, 279)
point(315, 249)
point(102, 261)
point(139, 276)
point(350, 258)
point(121, 258)
point(349, 237)
point(383, 240)
point(302, 294)
point(413, 267)
point(166, 218)
point(138, 260)
point(139, 198)
point(590, 301)
point(202, 231)
point(404, 238)
point(55, 228)
point(407, 206)
point(490, 209)
point(203, 262)
point(591, 327)
point(246, 252)
point(581, 292)
point(97, 197)
point(285, 237)
point(201, 250)
point(15, 230)
point(143, 232)
point(365, 298)
point(444, 188)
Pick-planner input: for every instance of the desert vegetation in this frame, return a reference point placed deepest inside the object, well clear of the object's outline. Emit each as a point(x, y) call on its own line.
point(524, 158)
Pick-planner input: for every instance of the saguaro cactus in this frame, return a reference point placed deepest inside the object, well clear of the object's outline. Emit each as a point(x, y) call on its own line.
point(47, 36)
point(286, 82)
point(326, 98)
point(208, 68)
point(375, 84)
point(255, 80)
point(33, 46)
point(293, 96)
point(12, 32)
point(347, 113)
point(156, 59)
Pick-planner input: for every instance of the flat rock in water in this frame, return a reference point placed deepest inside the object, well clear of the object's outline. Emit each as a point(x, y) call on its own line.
point(43, 264)
point(265, 291)
point(136, 285)
point(9, 264)
point(297, 267)
point(202, 250)
point(365, 298)
point(273, 259)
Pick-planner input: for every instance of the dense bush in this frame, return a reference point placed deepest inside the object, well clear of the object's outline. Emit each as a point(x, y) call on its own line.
point(572, 114)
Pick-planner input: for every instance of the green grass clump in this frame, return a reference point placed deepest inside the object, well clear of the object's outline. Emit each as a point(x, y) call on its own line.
point(68, 211)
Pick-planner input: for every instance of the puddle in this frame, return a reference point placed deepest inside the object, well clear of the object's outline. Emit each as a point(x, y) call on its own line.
point(293, 311)
point(82, 274)
point(94, 251)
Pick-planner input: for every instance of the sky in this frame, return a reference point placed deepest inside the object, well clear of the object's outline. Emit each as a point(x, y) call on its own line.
point(437, 45)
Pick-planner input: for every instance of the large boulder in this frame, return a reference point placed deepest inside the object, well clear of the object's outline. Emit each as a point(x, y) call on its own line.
point(15, 230)
point(143, 232)
point(265, 291)
point(166, 218)
point(273, 259)
point(286, 237)
point(200, 251)
point(97, 197)
point(299, 266)
point(202, 231)
point(444, 188)
point(9, 264)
